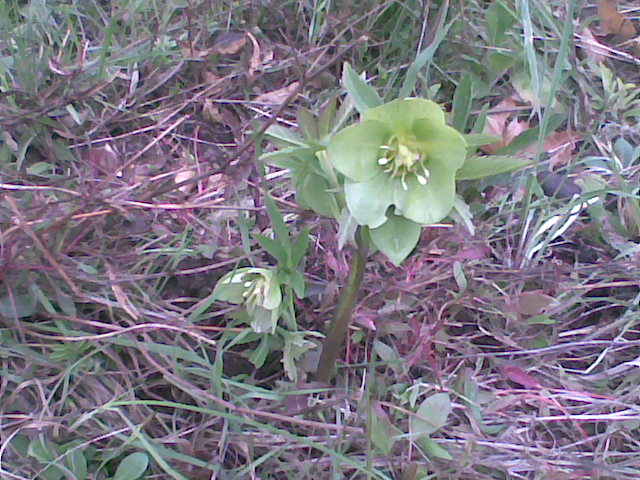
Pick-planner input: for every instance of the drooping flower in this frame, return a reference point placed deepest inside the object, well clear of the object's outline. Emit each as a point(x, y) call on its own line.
point(258, 290)
point(402, 154)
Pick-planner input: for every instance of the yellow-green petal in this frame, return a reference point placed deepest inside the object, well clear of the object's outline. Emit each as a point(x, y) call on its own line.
point(354, 150)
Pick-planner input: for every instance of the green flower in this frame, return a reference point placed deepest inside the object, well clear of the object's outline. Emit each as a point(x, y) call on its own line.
point(258, 290)
point(402, 154)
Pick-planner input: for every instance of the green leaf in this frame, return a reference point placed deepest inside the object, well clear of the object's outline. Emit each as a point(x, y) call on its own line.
point(307, 124)
point(132, 466)
point(396, 238)
point(286, 135)
point(259, 355)
point(485, 166)
point(364, 96)
point(462, 103)
point(314, 193)
point(327, 117)
point(295, 345)
point(299, 248)
point(25, 306)
point(424, 57)
point(369, 201)
point(354, 150)
point(273, 247)
point(479, 139)
point(77, 463)
point(381, 432)
point(277, 222)
point(498, 20)
point(431, 415)
point(432, 449)
point(296, 281)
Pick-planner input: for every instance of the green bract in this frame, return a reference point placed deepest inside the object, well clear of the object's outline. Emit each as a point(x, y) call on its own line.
point(258, 290)
point(402, 154)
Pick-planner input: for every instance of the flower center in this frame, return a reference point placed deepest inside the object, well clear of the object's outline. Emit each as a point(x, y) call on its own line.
point(401, 159)
point(256, 287)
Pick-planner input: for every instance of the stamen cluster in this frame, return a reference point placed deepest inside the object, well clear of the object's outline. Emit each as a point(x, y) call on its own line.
point(400, 159)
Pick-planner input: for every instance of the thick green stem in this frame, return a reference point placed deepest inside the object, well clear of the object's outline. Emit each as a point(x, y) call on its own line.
point(342, 316)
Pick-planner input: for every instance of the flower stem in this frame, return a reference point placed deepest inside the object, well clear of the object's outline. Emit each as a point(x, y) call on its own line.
point(344, 311)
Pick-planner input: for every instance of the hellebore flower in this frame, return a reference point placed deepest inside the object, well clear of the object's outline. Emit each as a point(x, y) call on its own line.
point(402, 154)
point(258, 290)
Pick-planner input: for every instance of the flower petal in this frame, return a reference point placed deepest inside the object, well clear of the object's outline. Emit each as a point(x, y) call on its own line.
point(428, 203)
point(441, 143)
point(354, 150)
point(368, 201)
point(396, 238)
point(402, 113)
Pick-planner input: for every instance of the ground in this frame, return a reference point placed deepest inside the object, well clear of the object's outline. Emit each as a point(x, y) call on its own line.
point(133, 178)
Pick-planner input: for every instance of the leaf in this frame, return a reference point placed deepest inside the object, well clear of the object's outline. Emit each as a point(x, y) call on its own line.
point(307, 124)
point(295, 345)
point(228, 43)
point(432, 449)
point(424, 57)
point(519, 376)
point(381, 430)
point(314, 193)
point(396, 238)
point(363, 95)
point(132, 466)
point(299, 248)
point(278, 132)
point(613, 22)
point(277, 222)
point(432, 415)
point(279, 96)
point(259, 355)
point(498, 20)
point(530, 136)
point(273, 247)
point(25, 306)
point(462, 103)
point(533, 302)
point(296, 281)
point(479, 166)
point(77, 463)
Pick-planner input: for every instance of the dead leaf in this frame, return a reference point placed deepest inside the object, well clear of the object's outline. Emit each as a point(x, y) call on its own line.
point(560, 146)
point(613, 22)
point(254, 61)
point(519, 376)
point(531, 303)
point(211, 112)
point(277, 97)
point(501, 125)
point(183, 176)
point(228, 43)
point(595, 50)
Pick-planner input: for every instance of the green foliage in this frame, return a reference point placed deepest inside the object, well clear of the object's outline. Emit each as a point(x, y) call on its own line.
point(400, 161)
point(267, 294)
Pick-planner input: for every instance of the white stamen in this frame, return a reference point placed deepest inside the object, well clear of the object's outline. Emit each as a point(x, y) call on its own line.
point(421, 180)
point(247, 284)
point(383, 161)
